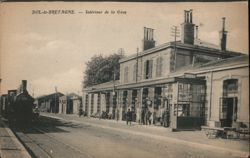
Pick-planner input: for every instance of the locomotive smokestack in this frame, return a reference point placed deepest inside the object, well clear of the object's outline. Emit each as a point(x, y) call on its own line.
point(24, 85)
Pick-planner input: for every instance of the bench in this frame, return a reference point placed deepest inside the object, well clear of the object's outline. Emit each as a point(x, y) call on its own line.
point(242, 131)
point(223, 132)
point(212, 132)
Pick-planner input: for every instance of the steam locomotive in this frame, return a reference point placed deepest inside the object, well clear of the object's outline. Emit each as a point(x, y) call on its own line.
point(18, 105)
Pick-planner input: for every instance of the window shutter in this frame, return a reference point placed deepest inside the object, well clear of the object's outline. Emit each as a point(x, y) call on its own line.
point(150, 68)
point(135, 72)
point(157, 67)
point(235, 100)
point(126, 74)
point(160, 66)
point(145, 70)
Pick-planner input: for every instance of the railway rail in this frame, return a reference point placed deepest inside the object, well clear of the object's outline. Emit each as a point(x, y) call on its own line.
point(40, 144)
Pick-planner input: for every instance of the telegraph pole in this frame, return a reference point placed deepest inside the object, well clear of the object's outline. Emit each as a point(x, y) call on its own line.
point(175, 32)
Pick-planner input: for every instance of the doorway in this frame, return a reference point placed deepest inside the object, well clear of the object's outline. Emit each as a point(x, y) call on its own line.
point(228, 113)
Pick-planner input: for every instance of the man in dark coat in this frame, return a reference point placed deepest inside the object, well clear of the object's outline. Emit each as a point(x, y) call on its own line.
point(129, 117)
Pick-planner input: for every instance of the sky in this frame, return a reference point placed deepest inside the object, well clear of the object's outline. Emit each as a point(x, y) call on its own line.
point(50, 50)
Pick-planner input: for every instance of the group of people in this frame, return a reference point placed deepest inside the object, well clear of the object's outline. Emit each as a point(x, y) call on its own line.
point(147, 117)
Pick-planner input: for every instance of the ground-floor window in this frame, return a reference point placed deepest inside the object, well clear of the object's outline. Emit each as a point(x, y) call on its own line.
point(183, 110)
point(191, 100)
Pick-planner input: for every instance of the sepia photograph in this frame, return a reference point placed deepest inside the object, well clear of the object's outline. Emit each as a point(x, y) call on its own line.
point(124, 79)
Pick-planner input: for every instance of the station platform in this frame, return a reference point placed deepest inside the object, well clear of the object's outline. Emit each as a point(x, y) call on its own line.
point(196, 138)
point(10, 147)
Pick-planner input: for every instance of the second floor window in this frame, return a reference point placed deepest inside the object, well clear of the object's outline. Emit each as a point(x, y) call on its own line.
point(148, 66)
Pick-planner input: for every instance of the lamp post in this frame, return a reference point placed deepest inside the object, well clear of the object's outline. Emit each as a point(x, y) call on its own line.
point(55, 99)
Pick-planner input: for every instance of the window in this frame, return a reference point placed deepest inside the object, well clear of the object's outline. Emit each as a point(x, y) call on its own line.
point(184, 92)
point(159, 67)
point(191, 99)
point(230, 86)
point(157, 98)
point(126, 74)
point(148, 66)
point(183, 110)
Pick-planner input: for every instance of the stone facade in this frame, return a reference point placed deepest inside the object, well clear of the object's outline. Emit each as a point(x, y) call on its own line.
point(181, 84)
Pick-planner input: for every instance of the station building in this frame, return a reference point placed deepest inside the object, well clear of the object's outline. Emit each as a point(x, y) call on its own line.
point(183, 84)
point(49, 103)
point(70, 104)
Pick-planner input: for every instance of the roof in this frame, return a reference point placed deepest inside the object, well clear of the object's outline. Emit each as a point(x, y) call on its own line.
point(103, 86)
point(50, 96)
point(73, 95)
point(70, 96)
point(242, 60)
point(199, 42)
point(234, 62)
point(199, 45)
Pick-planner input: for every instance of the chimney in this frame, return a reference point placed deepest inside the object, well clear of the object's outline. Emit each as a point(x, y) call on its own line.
point(223, 36)
point(148, 40)
point(187, 28)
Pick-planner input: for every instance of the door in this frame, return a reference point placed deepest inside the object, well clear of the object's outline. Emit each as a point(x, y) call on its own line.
point(228, 111)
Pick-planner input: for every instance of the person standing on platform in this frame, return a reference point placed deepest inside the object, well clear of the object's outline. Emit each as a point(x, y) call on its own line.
point(129, 117)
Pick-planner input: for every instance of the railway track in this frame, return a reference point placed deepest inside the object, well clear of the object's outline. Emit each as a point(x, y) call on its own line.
point(33, 147)
point(42, 145)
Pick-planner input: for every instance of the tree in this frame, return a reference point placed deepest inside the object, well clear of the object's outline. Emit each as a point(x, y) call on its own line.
point(102, 69)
